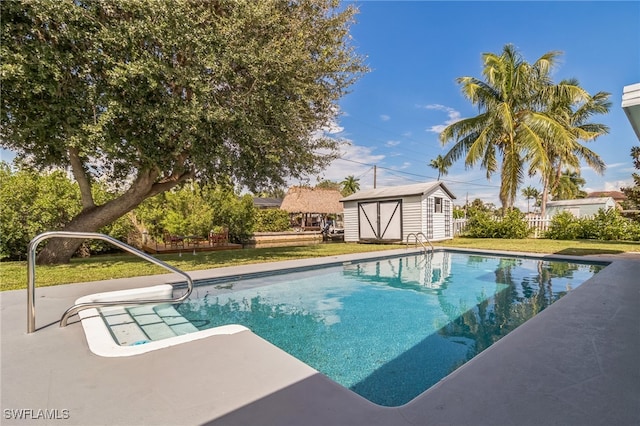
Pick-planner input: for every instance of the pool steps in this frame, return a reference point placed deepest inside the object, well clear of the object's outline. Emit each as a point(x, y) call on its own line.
point(141, 324)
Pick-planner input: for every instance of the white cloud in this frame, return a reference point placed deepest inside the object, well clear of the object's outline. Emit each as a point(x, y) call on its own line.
point(356, 160)
point(616, 165)
point(451, 113)
point(385, 117)
point(616, 185)
point(392, 143)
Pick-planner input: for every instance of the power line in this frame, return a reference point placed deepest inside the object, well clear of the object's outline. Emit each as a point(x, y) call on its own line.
point(419, 175)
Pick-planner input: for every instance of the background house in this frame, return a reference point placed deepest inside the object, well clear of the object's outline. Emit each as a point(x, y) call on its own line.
point(391, 214)
point(583, 207)
point(618, 196)
point(310, 207)
point(631, 105)
point(267, 203)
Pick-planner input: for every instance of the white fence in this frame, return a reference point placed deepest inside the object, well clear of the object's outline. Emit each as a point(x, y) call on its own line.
point(538, 224)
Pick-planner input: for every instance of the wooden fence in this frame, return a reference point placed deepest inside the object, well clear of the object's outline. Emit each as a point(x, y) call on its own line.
point(538, 224)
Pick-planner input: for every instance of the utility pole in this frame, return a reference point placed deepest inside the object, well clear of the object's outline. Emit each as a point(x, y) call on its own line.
point(375, 172)
point(466, 205)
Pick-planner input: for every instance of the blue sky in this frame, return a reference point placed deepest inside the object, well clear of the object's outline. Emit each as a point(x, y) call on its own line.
point(416, 50)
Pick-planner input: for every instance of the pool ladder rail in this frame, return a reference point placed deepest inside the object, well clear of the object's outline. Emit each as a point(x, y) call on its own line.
point(418, 240)
point(31, 277)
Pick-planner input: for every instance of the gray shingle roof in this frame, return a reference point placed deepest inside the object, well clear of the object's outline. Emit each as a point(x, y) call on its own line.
point(579, 202)
point(399, 191)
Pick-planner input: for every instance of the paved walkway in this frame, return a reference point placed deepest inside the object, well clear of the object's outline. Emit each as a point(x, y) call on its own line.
point(576, 363)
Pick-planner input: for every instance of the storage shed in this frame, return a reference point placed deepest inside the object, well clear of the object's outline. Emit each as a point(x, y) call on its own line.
point(582, 207)
point(391, 214)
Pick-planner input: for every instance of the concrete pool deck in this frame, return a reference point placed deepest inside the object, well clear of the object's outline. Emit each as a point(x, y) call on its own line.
point(576, 363)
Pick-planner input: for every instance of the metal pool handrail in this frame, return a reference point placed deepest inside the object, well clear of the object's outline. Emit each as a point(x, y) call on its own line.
point(31, 277)
point(415, 235)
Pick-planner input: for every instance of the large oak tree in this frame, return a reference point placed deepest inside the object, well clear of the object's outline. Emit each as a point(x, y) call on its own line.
point(149, 93)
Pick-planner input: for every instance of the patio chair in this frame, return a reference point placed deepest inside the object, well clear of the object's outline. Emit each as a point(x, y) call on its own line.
point(173, 240)
point(219, 238)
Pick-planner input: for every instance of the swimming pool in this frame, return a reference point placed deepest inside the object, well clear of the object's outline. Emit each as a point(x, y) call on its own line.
point(391, 328)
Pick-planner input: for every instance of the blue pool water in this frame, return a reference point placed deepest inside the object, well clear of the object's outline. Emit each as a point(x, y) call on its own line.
point(389, 329)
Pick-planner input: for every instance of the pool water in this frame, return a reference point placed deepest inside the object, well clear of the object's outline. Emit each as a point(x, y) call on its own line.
point(392, 328)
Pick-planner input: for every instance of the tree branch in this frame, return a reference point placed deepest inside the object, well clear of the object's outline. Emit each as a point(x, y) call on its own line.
point(169, 183)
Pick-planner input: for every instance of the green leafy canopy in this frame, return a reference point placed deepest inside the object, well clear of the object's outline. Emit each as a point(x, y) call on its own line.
point(206, 88)
point(147, 94)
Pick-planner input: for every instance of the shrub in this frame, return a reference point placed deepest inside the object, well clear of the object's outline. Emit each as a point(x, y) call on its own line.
point(513, 225)
point(605, 225)
point(196, 210)
point(610, 225)
point(484, 225)
point(272, 220)
point(481, 225)
point(564, 226)
point(32, 203)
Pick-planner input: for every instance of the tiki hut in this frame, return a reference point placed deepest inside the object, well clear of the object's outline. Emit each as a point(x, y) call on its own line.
point(310, 208)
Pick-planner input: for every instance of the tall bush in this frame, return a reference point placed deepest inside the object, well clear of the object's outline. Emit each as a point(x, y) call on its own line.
point(610, 225)
point(196, 210)
point(605, 225)
point(234, 212)
point(564, 226)
point(484, 225)
point(32, 203)
point(272, 220)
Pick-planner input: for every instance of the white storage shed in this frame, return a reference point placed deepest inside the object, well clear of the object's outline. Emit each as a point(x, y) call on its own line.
point(391, 214)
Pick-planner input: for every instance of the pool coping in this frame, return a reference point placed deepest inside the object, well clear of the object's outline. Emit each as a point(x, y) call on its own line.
point(588, 343)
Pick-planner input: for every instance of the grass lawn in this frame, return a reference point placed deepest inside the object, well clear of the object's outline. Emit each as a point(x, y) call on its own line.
point(569, 248)
point(13, 275)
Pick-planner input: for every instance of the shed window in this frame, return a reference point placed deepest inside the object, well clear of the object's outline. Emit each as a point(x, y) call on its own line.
point(437, 205)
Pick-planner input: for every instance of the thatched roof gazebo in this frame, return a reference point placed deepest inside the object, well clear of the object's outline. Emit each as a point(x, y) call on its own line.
point(312, 204)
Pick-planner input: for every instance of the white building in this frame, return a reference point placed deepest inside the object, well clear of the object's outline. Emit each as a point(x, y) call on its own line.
point(631, 105)
point(391, 214)
point(582, 207)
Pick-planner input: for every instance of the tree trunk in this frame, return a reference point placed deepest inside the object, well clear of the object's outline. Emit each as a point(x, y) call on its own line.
point(543, 201)
point(60, 250)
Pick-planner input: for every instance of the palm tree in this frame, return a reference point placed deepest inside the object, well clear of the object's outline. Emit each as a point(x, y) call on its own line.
point(563, 146)
point(350, 185)
point(530, 193)
point(569, 186)
point(441, 164)
point(509, 131)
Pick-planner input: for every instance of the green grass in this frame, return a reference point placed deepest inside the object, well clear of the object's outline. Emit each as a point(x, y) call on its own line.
point(566, 247)
point(13, 275)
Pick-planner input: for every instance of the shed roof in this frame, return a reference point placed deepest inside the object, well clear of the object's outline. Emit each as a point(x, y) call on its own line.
point(399, 191)
point(312, 200)
point(580, 202)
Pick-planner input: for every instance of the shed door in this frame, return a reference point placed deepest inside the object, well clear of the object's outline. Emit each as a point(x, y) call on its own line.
point(380, 220)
